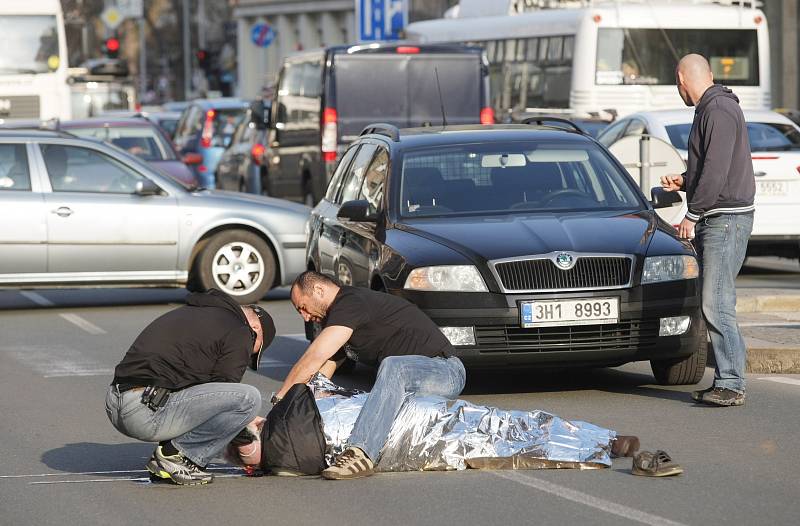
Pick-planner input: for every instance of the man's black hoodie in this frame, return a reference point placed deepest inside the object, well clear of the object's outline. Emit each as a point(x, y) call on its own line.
point(719, 177)
point(206, 340)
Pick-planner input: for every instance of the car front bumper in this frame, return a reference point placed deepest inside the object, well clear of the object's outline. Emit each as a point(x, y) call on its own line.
point(501, 341)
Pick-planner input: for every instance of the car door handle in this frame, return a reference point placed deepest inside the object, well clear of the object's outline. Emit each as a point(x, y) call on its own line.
point(342, 239)
point(760, 174)
point(62, 211)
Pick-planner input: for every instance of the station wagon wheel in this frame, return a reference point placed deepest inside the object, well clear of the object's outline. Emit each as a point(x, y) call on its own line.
point(238, 263)
point(685, 371)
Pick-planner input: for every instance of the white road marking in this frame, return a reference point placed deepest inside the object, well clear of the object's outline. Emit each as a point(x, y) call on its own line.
point(588, 500)
point(82, 323)
point(780, 380)
point(122, 479)
point(270, 362)
point(37, 298)
point(300, 336)
point(138, 470)
point(769, 324)
point(57, 361)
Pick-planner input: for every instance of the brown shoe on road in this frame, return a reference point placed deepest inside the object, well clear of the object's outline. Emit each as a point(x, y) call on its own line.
point(353, 463)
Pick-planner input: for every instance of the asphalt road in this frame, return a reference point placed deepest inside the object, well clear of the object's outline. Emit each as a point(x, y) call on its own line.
point(64, 464)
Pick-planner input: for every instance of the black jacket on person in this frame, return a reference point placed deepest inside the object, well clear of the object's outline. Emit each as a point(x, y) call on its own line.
point(719, 177)
point(206, 340)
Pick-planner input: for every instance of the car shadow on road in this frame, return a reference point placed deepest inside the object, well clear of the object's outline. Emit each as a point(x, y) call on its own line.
point(99, 459)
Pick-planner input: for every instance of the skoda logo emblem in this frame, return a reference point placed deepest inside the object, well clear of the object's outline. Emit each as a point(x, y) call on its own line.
point(564, 260)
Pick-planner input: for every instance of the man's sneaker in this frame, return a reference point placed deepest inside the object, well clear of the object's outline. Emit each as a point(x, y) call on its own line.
point(697, 396)
point(181, 470)
point(722, 396)
point(353, 463)
point(155, 470)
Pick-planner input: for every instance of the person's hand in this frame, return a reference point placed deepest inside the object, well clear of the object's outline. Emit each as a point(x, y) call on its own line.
point(672, 182)
point(686, 229)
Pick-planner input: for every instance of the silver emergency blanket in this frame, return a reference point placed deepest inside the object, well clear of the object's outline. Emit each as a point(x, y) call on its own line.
point(432, 433)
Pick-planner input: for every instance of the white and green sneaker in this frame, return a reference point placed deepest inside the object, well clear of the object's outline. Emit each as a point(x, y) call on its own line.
point(178, 469)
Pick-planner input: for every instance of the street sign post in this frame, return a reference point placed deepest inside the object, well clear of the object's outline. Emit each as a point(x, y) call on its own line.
point(380, 19)
point(262, 35)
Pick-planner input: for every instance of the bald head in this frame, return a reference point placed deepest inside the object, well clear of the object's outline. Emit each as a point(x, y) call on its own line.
point(693, 77)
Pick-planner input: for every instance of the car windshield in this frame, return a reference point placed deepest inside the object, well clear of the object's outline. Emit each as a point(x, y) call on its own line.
point(764, 136)
point(499, 178)
point(143, 142)
point(29, 44)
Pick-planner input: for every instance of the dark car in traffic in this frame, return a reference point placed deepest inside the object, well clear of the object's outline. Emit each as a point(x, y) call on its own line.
point(325, 97)
point(139, 137)
point(526, 244)
point(241, 167)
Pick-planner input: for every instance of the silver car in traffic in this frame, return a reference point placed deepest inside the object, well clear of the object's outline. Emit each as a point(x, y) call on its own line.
point(78, 212)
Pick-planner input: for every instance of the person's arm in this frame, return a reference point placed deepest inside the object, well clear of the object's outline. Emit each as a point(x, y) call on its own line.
point(719, 140)
point(318, 353)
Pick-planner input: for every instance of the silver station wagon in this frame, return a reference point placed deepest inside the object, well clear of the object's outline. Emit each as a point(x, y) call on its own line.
point(78, 212)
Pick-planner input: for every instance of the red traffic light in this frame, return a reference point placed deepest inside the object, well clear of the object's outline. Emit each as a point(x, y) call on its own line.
point(201, 54)
point(112, 44)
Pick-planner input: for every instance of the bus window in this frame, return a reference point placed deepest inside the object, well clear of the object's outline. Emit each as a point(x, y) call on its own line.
point(511, 50)
point(533, 48)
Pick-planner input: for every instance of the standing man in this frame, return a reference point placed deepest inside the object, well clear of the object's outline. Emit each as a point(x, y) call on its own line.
point(720, 188)
point(414, 356)
point(178, 384)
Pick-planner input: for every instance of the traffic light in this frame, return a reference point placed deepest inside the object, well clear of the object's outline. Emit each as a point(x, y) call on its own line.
point(203, 59)
point(111, 47)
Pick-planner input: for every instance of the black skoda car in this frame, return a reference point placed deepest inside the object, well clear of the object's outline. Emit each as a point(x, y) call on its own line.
point(527, 244)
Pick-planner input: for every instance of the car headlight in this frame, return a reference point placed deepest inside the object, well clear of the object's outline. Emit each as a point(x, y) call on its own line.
point(450, 278)
point(669, 268)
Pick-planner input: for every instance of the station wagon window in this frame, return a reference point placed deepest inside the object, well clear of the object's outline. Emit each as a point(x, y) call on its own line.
point(75, 169)
point(14, 172)
point(375, 180)
point(336, 179)
point(351, 184)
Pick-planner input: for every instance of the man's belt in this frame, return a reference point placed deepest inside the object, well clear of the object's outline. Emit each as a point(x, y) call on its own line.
point(129, 387)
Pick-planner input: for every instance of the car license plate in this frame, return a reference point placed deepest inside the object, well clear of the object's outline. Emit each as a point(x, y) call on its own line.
point(772, 188)
point(588, 311)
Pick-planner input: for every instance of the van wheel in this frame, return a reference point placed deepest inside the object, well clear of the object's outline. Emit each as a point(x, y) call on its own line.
point(238, 263)
point(686, 371)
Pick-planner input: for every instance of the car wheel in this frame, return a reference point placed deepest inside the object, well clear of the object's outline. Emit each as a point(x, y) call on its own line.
point(687, 371)
point(238, 263)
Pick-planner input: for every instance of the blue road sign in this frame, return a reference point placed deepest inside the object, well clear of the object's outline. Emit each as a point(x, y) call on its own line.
point(262, 35)
point(381, 19)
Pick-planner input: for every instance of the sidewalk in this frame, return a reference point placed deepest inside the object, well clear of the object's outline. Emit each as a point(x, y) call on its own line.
point(770, 322)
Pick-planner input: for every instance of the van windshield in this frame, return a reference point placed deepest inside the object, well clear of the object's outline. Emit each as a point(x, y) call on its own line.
point(402, 90)
point(29, 44)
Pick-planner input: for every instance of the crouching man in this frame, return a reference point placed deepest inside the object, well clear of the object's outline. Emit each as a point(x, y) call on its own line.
point(414, 356)
point(178, 384)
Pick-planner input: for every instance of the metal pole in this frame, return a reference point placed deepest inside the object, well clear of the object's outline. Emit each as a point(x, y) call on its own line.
point(201, 24)
point(187, 72)
point(644, 161)
point(142, 61)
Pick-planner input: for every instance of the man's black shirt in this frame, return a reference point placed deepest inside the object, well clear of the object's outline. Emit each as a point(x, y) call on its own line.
point(385, 325)
point(206, 340)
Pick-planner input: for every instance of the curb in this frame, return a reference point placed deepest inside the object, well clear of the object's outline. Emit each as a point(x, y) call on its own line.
point(768, 303)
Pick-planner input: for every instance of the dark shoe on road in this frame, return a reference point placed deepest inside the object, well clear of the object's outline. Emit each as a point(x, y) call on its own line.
point(180, 469)
point(155, 470)
point(353, 463)
point(624, 446)
point(697, 396)
point(721, 396)
point(657, 464)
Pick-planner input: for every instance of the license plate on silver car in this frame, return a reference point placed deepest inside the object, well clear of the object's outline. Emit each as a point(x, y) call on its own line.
point(549, 313)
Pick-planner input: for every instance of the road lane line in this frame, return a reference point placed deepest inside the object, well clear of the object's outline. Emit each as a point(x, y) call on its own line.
point(300, 336)
point(769, 324)
point(780, 380)
point(37, 298)
point(124, 479)
point(82, 323)
point(138, 470)
point(587, 500)
point(57, 360)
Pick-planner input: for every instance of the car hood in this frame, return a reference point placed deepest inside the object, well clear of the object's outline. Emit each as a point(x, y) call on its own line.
point(249, 200)
point(177, 170)
point(490, 238)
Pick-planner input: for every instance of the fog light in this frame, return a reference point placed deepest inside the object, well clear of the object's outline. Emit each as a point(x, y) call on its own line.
point(459, 335)
point(674, 326)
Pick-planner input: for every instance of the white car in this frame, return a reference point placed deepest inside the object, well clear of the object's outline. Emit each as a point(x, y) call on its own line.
point(775, 146)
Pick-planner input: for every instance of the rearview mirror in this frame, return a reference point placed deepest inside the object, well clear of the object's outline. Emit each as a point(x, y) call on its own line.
point(146, 187)
point(662, 198)
point(356, 210)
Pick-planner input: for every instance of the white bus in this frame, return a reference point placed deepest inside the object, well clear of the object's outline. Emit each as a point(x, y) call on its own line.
point(33, 61)
point(586, 56)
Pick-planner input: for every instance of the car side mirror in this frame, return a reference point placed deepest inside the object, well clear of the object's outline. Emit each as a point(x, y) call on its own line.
point(356, 210)
point(192, 158)
point(662, 198)
point(146, 187)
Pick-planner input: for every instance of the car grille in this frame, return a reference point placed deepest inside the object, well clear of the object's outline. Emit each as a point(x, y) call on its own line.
point(622, 336)
point(589, 272)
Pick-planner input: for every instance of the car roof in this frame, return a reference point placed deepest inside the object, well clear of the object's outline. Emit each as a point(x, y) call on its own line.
point(221, 103)
point(686, 116)
point(471, 133)
point(23, 133)
point(111, 122)
point(385, 47)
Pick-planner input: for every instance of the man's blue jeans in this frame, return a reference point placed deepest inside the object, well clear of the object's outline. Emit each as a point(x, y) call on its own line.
point(398, 378)
point(721, 243)
point(200, 420)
